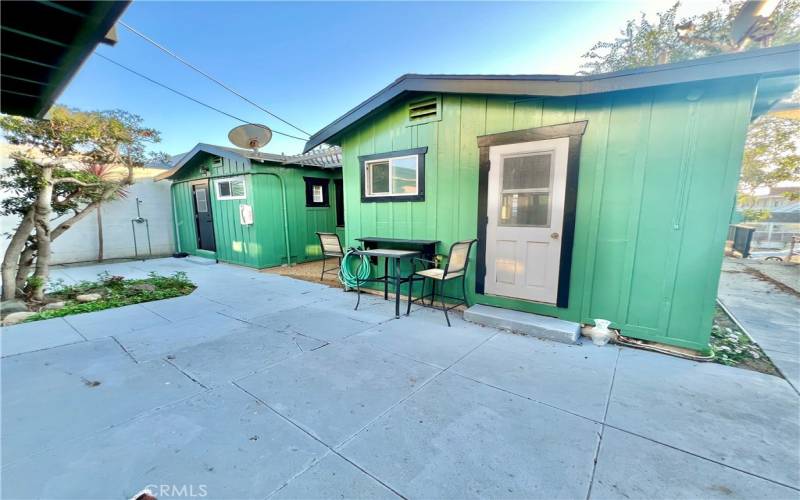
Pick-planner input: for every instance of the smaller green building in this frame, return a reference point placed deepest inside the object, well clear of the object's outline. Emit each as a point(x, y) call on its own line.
point(253, 209)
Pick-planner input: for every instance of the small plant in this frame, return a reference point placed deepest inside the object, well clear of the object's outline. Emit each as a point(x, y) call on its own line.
point(116, 291)
point(733, 347)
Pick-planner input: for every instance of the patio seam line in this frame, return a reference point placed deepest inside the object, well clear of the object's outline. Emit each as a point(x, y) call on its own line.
point(124, 350)
point(7, 356)
point(101, 430)
point(302, 471)
point(774, 481)
point(603, 424)
point(155, 312)
point(73, 327)
point(403, 400)
point(185, 374)
point(533, 400)
point(312, 436)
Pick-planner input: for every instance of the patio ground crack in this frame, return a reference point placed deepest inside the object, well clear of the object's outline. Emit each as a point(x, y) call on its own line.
point(315, 438)
point(603, 425)
point(185, 374)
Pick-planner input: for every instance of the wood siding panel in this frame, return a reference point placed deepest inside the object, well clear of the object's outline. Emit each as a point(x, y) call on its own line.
point(657, 176)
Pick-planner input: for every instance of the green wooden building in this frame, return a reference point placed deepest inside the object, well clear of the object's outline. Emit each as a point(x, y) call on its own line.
point(600, 196)
point(252, 209)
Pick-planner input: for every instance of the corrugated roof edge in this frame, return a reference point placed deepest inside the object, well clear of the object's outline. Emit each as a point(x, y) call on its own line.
point(235, 154)
point(784, 59)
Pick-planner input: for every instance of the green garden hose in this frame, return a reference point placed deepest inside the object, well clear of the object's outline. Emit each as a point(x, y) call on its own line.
point(346, 276)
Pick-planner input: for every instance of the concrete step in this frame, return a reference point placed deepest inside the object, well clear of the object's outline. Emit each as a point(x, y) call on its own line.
point(525, 323)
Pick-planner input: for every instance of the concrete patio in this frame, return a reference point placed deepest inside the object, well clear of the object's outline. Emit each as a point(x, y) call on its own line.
point(261, 386)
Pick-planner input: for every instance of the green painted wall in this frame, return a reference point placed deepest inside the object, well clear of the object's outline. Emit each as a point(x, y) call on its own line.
point(658, 173)
point(262, 244)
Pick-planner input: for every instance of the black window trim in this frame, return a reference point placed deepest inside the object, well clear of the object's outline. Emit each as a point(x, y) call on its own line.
point(420, 196)
point(317, 181)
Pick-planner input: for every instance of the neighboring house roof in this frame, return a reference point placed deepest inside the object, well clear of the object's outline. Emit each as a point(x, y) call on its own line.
point(329, 158)
point(781, 61)
point(788, 213)
point(43, 44)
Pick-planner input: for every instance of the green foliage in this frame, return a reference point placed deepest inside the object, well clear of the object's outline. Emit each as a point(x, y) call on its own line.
point(116, 291)
point(77, 145)
point(646, 43)
point(771, 151)
point(755, 215)
point(771, 154)
point(732, 347)
point(33, 282)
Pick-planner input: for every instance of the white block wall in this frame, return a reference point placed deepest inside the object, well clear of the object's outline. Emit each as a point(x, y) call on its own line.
point(80, 243)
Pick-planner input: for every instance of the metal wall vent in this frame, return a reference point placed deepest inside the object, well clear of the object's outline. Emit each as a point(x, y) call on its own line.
point(423, 110)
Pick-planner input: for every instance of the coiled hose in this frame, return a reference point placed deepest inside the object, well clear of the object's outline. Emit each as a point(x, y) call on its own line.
point(346, 276)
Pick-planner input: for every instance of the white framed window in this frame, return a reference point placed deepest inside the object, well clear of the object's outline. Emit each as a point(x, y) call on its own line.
point(392, 177)
point(317, 195)
point(231, 188)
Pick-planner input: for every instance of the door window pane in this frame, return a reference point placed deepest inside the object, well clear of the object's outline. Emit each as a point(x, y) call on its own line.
point(378, 177)
point(202, 203)
point(527, 172)
point(525, 209)
point(404, 176)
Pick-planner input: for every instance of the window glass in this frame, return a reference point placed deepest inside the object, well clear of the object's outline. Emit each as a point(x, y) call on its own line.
point(525, 209)
point(379, 177)
point(200, 197)
point(230, 189)
point(527, 172)
point(393, 176)
point(404, 175)
point(237, 187)
point(317, 196)
point(525, 192)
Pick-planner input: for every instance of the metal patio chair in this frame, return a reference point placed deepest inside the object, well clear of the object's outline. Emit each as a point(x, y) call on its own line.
point(331, 247)
point(457, 263)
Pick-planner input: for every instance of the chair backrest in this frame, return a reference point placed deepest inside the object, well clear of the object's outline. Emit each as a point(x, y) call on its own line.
point(330, 243)
point(459, 256)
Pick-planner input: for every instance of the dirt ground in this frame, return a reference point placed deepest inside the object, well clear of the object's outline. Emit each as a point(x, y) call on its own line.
point(309, 271)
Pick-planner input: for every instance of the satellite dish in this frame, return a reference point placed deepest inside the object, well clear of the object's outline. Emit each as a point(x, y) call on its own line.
point(250, 136)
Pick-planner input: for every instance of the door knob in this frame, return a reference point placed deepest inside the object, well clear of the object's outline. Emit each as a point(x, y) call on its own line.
point(554, 235)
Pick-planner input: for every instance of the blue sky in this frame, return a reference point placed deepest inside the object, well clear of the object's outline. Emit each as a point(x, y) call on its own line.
point(311, 62)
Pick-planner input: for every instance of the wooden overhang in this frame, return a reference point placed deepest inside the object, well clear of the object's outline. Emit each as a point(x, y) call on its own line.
point(43, 45)
point(779, 68)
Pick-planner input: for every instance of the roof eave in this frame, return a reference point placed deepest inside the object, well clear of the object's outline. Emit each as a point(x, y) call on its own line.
point(775, 60)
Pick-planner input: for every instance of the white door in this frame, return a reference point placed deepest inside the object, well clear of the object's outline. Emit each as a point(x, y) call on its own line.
point(527, 184)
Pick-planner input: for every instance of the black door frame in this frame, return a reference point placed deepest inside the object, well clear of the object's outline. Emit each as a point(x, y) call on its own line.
point(207, 184)
point(574, 131)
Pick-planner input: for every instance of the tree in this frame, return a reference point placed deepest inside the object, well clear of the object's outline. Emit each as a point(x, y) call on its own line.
point(58, 169)
point(673, 39)
point(771, 154)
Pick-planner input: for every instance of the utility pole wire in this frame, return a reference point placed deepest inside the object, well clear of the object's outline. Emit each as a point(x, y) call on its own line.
point(195, 68)
point(188, 96)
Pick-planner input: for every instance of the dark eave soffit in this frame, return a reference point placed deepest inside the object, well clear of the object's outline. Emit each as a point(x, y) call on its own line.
point(771, 61)
point(43, 45)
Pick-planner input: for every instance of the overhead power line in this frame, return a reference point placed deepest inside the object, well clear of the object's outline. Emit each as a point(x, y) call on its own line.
point(213, 79)
point(188, 96)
